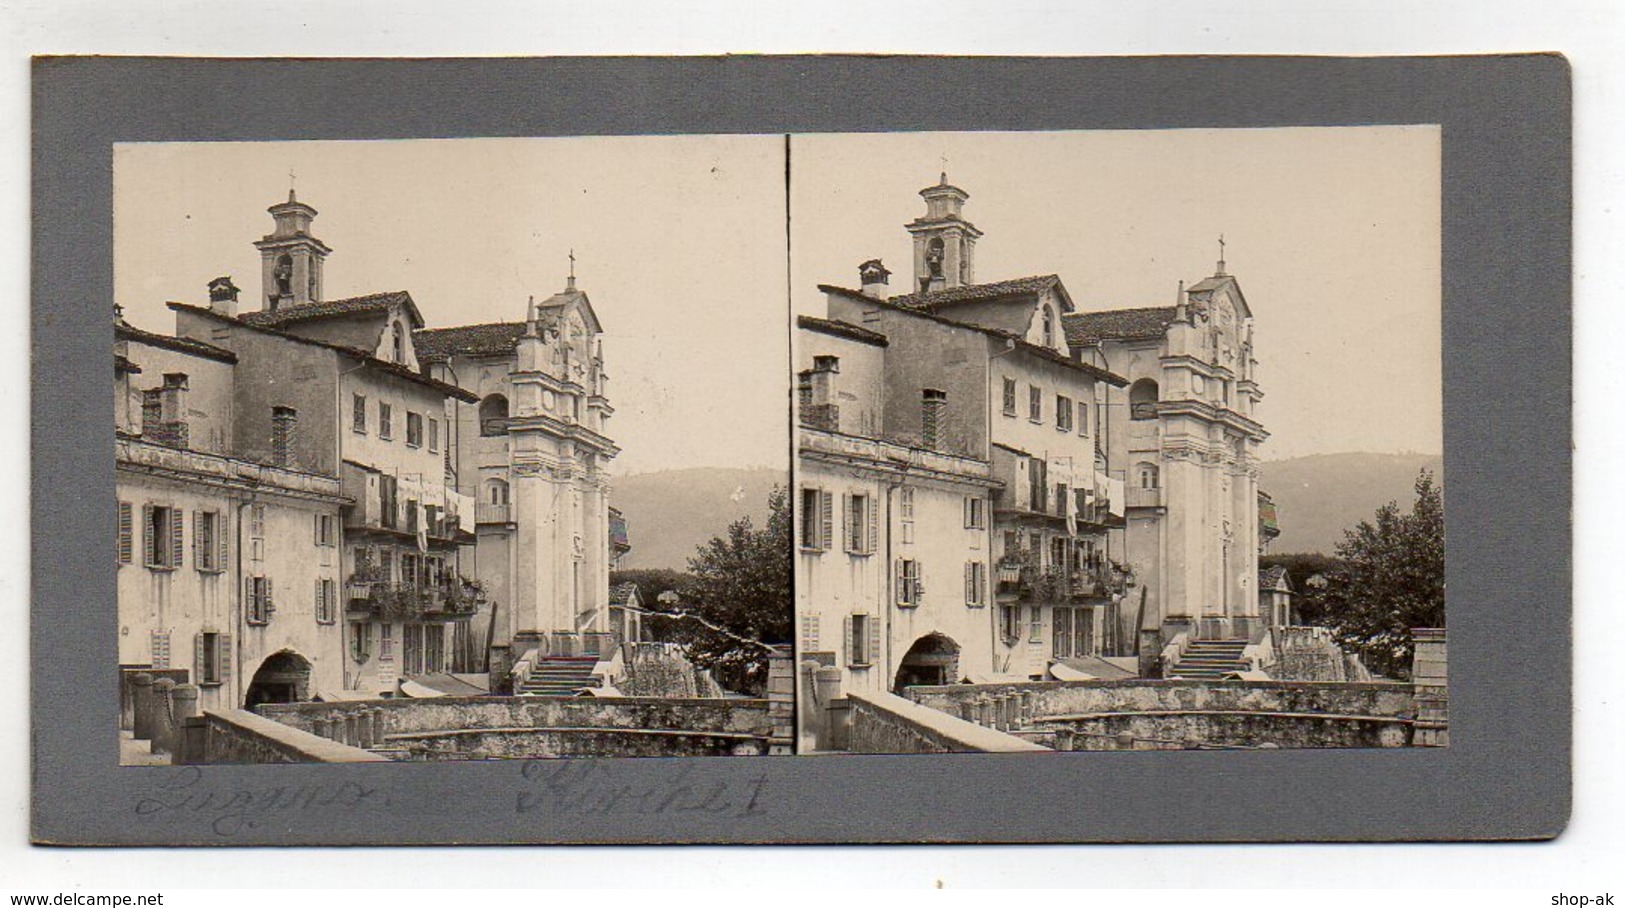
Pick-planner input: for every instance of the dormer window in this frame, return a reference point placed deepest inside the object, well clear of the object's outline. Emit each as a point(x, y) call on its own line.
point(397, 343)
point(1049, 327)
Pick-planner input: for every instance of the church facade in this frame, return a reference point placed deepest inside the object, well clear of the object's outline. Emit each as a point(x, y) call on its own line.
point(534, 455)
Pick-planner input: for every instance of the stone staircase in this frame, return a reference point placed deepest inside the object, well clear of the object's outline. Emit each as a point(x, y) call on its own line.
point(1210, 659)
point(560, 676)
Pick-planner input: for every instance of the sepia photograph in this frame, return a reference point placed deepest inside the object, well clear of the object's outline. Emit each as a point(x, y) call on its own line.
point(451, 450)
point(1119, 440)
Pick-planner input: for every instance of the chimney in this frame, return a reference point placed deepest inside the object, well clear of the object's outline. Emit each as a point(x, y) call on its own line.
point(163, 412)
point(223, 297)
point(824, 412)
point(874, 277)
point(284, 422)
point(933, 415)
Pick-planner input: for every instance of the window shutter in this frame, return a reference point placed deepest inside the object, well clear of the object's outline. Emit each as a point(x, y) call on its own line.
point(270, 603)
point(147, 537)
point(871, 541)
point(222, 540)
point(901, 597)
point(316, 521)
point(809, 633)
point(851, 643)
point(177, 537)
point(873, 654)
point(919, 582)
point(970, 583)
point(826, 509)
point(199, 659)
point(199, 557)
point(223, 658)
point(321, 603)
point(846, 522)
point(126, 532)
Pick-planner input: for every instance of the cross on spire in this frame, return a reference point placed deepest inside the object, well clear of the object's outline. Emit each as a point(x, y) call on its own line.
point(572, 283)
point(944, 159)
point(293, 183)
point(1221, 254)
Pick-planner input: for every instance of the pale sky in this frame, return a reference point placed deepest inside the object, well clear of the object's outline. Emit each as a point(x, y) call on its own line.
point(1333, 234)
point(679, 243)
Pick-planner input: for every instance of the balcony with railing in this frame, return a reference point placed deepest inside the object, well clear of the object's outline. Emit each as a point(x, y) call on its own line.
point(395, 601)
point(486, 512)
point(1143, 498)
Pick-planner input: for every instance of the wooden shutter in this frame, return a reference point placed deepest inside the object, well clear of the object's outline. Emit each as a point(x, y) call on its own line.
point(251, 599)
point(200, 557)
point(126, 533)
point(851, 642)
point(873, 655)
point(809, 632)
point(846, 522)
point(200, 658)
point(148, 538)
point(321, 602)
point(223, 655)
point(872, 535)
point(222, 540)
point(826, 512)
point(177, 537)
point(269, 602)
point(901, 596)
point(159, 644)
point(970, 583)
point(919, 583)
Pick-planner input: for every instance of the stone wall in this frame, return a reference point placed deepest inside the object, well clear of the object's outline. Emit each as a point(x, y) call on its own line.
point(658, 670)
point(1312, 654)
point(478, 727)
point(1234, 729)
point(889, 724)
point(534, 743)
point(239, 736)
point(1057, 699)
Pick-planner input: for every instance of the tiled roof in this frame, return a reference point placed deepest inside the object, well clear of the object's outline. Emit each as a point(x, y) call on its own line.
point(1088, 328)
point(355, 305)
point(168, 342)
point(1270, 578)
point(441, 344)
point(972, 293)
point(927, 313)
point(122, 365)
point(841, 329)
point(397, 369)
point(622, 593)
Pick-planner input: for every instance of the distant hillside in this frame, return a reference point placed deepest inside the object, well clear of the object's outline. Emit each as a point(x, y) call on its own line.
point(1320, 496)
point(671, 512)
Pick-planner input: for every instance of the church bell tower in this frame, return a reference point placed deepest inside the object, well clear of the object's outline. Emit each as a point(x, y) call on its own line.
point(944, 242)
point(290, 258)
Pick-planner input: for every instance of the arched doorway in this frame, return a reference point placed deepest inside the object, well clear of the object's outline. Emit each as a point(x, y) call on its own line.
point(282, 678)
point(933, 659)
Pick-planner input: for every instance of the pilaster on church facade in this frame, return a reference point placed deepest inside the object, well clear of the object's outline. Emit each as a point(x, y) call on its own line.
point(534, 454)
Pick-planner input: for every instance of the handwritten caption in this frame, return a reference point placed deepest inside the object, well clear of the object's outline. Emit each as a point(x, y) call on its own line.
point(231, 811)
point(595, 789)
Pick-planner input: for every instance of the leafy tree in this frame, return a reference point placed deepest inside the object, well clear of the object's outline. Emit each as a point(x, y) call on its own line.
point(740, 584)
point(1393, 580)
